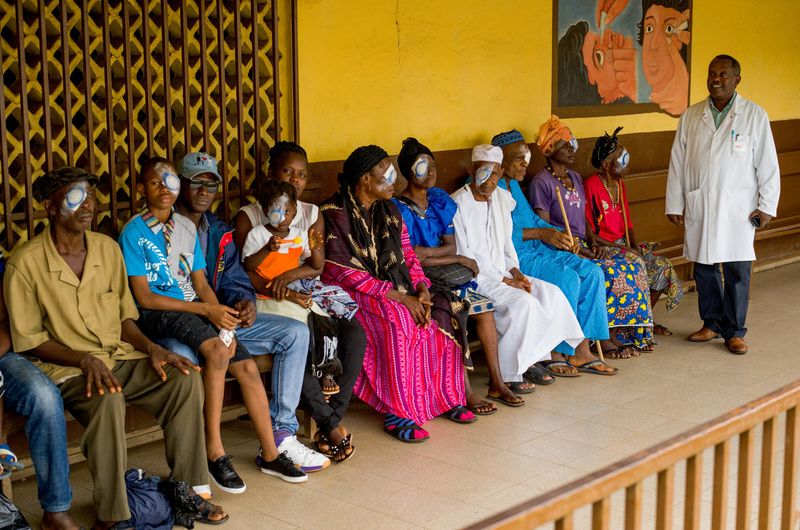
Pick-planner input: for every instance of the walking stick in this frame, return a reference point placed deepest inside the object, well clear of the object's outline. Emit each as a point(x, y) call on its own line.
point(564, 214)
point(600, 351)
point(624, 213)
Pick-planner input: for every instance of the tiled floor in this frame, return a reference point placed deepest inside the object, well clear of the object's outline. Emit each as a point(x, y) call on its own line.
point(467, 472)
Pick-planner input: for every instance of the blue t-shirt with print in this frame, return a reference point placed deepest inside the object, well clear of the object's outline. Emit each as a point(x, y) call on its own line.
point(145, 253)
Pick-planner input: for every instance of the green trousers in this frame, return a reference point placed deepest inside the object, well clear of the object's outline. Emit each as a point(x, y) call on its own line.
point(177, 404)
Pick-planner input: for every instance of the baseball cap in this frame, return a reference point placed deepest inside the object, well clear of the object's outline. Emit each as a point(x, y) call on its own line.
point(194, 164)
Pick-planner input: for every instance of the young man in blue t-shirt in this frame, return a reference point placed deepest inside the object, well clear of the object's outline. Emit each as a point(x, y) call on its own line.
point(166, 268)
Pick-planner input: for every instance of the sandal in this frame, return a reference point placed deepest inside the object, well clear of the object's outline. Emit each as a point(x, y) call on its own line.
point(481, 407)
point(521, 387)
point(506, 400)
point(329, 385)
point(460, 414)
point(548, 365)
point(538, 376)
point(336, 452)
point(8, 462)
point(404, 429)
point(207, 509)
point(592, 367)
point(658, 329)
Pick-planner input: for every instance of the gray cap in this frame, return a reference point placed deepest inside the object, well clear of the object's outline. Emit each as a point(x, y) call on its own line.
point(194, 164)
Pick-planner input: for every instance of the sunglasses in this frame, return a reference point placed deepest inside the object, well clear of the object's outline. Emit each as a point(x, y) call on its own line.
point(196, 184)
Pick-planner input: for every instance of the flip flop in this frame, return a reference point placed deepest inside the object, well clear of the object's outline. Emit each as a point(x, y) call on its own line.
point(8, 459)
point(517, 388)
point(545, 365)
point(536, 375)
point(502, 399)
point(474, 409)
point(404, 429)
point(591, 368)
point(460, 414)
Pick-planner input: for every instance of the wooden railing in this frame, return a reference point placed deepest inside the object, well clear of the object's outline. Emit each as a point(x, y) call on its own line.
point(559, 506)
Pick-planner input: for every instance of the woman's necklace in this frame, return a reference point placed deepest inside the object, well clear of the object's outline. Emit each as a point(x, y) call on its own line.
point(614, 202)
point(562, 180)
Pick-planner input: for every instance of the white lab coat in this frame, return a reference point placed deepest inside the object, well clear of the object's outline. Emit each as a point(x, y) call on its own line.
point(717, 177)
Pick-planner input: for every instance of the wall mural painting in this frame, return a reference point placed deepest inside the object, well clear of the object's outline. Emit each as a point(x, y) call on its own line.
point(620, 56)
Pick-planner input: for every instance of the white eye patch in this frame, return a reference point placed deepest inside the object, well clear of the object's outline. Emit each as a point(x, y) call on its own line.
point(390, 175)
point(277, 210)
point(573, 142)
point(527, 155)
point(171, 182)
point(75, 196)
point(483, 174)
point(624, 159)
point(420, 168)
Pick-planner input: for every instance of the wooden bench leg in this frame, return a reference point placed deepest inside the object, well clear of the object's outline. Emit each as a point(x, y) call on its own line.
point(6, 488)
point(308, 427)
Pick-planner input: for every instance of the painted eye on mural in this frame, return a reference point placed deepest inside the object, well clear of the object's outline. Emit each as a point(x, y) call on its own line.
point(669, 29)
point(599, 57)
point(648, 28)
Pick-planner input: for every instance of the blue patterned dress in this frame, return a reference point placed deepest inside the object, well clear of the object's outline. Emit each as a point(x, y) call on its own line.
point(626, 286)
point(580, 281)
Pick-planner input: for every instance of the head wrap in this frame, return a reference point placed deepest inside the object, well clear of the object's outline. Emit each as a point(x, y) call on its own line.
point(604, 146)
point(487, 153)
point(411, 150)
point(51, 181)
point(509, 137)
point(359, 162)
point(550, 133)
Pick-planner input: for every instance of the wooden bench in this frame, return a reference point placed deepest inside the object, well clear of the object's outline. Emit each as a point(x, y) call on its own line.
point(140, 427)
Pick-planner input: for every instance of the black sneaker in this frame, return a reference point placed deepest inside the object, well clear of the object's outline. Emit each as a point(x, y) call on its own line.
point(224, 476)
point(282, 467)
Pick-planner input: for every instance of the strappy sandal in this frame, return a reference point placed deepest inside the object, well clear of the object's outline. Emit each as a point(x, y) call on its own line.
point(207, 509)
point(336, 452)
point(8, 462)
point(329, 385)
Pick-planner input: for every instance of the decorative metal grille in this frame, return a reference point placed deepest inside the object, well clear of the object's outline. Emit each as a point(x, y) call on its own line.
point(104, 85)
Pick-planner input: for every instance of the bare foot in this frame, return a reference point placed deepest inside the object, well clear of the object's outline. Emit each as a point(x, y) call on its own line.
point(59, 521)
point(480, 406)
point(505, 394)
point(561, 369)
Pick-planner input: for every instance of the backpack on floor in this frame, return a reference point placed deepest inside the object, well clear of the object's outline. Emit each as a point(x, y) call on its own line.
point(10, 516)
point(150, 508)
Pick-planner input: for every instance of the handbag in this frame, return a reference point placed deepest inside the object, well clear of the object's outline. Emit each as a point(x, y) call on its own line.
point(449, 276)
point(323, 345)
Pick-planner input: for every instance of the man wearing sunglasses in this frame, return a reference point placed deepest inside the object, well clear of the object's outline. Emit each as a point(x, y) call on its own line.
point(285, 338)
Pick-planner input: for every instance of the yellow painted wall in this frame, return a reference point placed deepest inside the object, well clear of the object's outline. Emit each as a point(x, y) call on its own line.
point(455, 72)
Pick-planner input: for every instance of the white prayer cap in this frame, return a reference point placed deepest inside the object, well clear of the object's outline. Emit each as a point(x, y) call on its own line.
point(487, 153)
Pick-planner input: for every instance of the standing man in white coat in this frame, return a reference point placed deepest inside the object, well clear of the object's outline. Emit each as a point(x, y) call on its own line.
point(723, 184)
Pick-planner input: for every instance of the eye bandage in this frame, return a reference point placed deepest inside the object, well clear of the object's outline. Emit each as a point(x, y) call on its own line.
point(527, 155)
point(277, 210)
point(390, 175)
point(573, 142)
point(76, 195)
point(420, 168)
point(483, 174)
point(171, 182)
point(624, 159)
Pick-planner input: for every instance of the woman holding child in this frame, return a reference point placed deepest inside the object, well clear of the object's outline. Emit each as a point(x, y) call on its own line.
point(283, 254)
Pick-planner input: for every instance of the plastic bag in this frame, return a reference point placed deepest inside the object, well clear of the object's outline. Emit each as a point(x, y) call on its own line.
point(10, 516)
